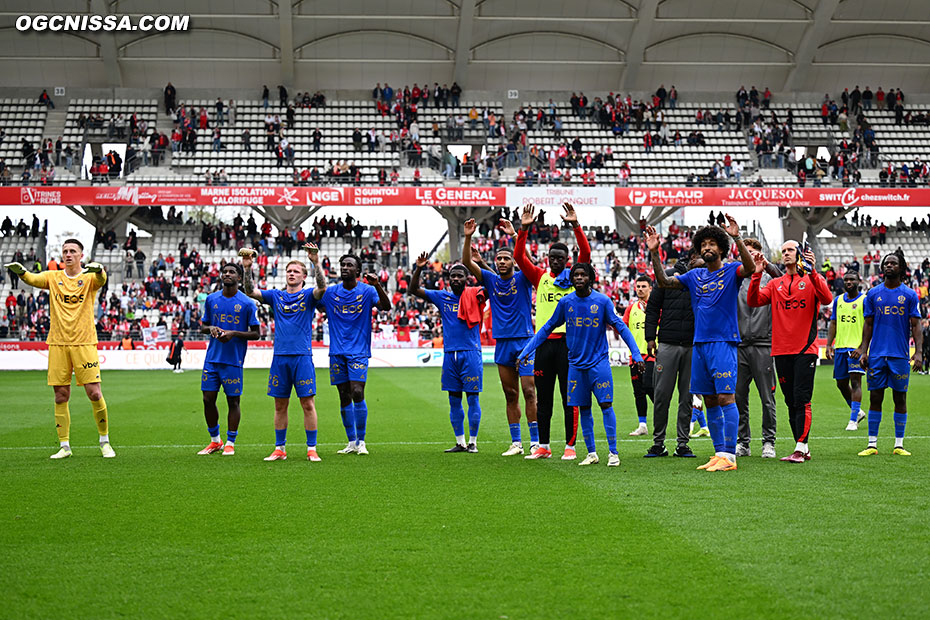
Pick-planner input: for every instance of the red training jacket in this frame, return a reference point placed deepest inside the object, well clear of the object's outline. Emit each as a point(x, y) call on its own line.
point(795, 302)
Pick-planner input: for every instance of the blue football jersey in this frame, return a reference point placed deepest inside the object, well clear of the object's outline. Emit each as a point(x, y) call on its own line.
point(349, 314)
point(236, 313)
point(714, 299)
point(456, 336)
point(891, 310)
point(511, 304)
point(293, 320)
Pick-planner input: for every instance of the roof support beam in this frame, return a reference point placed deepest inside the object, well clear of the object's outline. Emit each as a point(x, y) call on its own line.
point(638, 41)
point(463, 41)
point(286, 43)
point(810, 41)
point(107, 41)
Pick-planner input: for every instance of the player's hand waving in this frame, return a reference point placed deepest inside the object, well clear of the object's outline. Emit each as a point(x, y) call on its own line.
point(371, 279)
point(470, 227)
point(16, 268)
point(732, 227)
point(653, 240)
point(528, 216)
point(506, 226)
point(247, 255)
point(93, 268)
point(313, 253)
point(570, 217)
point(422, 259)
point(760, 261)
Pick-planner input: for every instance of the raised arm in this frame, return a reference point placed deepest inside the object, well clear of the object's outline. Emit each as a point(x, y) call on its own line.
point(748, 266)
point(756, 296)
point(470, 227)
point(414, 288)
point(384, 302)
point(584, 247)
point(821, 288)
point(248, 286)
point(38, 280)
point(653, 241)
point(313, 255)
point(99, 273)
point(531, 271)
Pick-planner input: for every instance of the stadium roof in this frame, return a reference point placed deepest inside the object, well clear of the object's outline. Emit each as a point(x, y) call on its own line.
point(627, 45)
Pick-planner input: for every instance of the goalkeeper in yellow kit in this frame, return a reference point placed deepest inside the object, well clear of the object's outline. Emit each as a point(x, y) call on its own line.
point(72, 339)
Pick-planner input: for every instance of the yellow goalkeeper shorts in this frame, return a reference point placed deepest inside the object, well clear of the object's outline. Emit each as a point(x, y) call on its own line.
point(82, 360)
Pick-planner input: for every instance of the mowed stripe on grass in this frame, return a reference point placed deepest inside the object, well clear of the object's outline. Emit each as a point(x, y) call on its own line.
point(410, 531)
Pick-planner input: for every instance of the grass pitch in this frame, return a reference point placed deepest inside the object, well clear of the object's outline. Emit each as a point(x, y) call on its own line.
point(412, 532)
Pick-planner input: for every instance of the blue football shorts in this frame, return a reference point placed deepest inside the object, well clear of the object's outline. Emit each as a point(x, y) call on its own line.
point(215, 374)
point(292, 371)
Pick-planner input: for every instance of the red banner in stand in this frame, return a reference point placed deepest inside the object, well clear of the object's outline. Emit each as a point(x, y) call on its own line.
point(267, 196)
point(772, 196)
point(270, 196)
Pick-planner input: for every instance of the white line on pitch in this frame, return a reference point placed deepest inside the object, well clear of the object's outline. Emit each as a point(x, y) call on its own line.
point(388, 443)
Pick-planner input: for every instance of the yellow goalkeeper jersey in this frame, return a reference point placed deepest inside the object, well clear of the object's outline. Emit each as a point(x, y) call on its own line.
point(72, 305)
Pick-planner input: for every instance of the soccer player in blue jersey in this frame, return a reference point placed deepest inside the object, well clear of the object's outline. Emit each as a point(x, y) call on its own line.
point(892, 317)
point(348, 306)
point(587, 315)
point(230, 319)
point(292, 365)
point(462, 368)
point(510, 294)
point(714, 291)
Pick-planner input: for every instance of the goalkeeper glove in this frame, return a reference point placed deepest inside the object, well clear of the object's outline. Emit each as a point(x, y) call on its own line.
point(16, 268)
point(93, 268)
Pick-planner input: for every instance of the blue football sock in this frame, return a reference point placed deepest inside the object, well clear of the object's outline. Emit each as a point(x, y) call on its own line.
point(311, 439)
point(730, 427)
point(587, 428)
point(698, 416)
point(534, 432)
point(456, 415)
point(515, 432)
point(715, 422)
point(875, 420)
point(855, 407)
point(900, 421)
point(348, 420)
point(642, 419)
point(361, 420)
point(214, 431)
point(280, 437)
point(231, 436)
point(474, 415)
point(610, 427)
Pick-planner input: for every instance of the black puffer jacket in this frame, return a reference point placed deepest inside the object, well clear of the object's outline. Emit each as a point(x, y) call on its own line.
point(674, 306)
